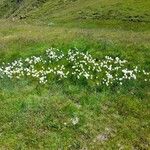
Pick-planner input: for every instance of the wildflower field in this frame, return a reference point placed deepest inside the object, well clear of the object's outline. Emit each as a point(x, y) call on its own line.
point(74, 65)
point(74, 75)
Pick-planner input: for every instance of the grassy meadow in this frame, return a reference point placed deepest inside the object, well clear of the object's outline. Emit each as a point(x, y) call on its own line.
point(68, 114)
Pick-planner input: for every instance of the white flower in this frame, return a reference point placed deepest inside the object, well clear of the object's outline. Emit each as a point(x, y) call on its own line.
point(75, 120)
point(76, 63)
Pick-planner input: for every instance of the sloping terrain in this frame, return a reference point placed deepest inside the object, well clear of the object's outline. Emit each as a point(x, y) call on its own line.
point(72, 114)
point(79, 12)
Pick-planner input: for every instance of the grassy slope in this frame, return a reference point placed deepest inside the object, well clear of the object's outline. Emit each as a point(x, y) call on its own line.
point(33, 117)
point(90, 13)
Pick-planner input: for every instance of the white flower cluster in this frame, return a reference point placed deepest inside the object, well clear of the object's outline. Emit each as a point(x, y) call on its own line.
point(54, 54)
point(73, 64)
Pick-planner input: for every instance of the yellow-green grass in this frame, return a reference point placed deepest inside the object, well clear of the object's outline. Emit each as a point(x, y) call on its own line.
point(114, 14)
point(33, 116)
point(19, 39)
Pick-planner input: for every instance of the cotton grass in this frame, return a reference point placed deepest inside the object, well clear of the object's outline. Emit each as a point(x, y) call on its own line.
point(73, 64)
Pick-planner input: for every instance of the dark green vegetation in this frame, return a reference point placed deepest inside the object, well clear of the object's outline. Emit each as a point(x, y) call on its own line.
point(39, 117)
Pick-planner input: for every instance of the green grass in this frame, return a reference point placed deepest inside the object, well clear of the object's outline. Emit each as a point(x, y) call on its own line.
point(34, 116)
point(114, 14)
